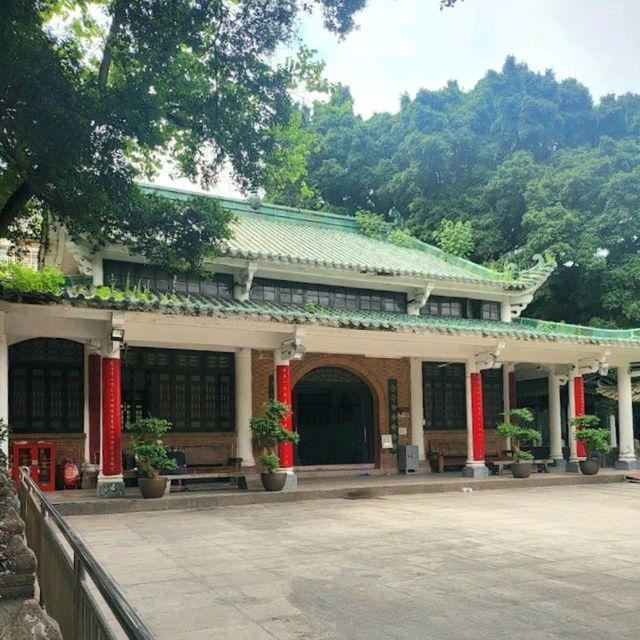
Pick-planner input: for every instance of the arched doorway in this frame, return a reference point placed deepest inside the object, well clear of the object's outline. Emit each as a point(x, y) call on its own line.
point(333, 413)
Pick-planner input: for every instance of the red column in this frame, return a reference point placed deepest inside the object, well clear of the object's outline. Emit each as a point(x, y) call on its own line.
point(111, 458)
point(283, 394)
point(477, 416)
point(513, 399)
point(95, 394)
point(578, 394)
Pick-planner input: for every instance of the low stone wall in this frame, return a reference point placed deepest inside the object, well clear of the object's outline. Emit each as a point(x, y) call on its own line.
point(18, 573)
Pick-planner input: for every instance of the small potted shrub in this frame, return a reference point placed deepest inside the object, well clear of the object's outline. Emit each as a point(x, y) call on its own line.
point(151, 456)
point(519, 430)
point(269, 433)
point(596, 442)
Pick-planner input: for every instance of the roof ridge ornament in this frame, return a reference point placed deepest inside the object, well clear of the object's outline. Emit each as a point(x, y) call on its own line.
point(417, 298)
point(490, 359)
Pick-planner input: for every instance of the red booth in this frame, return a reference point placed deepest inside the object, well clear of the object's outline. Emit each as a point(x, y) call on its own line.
point(40, 457)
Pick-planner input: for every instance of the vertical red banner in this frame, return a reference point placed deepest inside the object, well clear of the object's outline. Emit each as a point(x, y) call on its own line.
point(111, 458)
point(477, 416)
point(513, 398)
point(283, 394)
point(578, 394)
point(95, 394)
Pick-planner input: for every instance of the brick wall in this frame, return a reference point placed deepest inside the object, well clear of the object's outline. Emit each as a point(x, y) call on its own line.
point(376, 372)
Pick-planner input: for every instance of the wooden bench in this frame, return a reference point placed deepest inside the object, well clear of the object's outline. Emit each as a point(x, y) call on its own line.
point(210, 458)
point(498, 466)
point(237, 477)
point(449, 452)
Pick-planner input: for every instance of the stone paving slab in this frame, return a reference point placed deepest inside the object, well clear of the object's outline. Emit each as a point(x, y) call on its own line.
point(537, 563)
point(316, 488)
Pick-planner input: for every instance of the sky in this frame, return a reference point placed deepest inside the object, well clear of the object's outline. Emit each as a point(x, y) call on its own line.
point(405, 45)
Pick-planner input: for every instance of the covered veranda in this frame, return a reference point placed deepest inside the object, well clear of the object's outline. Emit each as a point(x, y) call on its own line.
point(286, 341)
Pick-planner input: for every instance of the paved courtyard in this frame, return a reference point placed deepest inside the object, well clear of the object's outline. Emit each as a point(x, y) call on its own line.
point(536, 563)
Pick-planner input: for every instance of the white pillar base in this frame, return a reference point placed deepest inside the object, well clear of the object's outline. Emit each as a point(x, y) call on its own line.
point(572, 466)
point(110, 487)
point(292, 481)
point(475, 470)
point(627, 464)
point(560, 463)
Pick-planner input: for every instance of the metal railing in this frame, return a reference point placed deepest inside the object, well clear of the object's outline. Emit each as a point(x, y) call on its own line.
point(74, 589)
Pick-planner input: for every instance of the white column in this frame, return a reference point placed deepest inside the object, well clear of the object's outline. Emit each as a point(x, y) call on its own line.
point(4, 382)
point(555, 421)
point(572, 465)
point(417, 409)
point(505, 311)
point(613, 438)
point(626, 457)
point(244, 407)
point(473, 468)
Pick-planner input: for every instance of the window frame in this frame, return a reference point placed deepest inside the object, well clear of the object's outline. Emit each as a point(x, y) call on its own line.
point(142, 382)
point(122, 274)
point(43, 371)
point(327, 296)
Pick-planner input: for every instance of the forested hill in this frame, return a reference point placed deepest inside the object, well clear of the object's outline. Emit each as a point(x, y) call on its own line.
point(532, 162)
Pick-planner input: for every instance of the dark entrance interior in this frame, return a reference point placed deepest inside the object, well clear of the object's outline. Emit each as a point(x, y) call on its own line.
point(333, 413)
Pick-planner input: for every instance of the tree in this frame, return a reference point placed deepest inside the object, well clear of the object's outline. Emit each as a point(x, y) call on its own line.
point(529, 161)
point(93, 96)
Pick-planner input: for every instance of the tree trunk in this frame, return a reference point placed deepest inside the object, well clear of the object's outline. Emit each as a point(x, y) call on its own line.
point(13, 206)
point(105, 64)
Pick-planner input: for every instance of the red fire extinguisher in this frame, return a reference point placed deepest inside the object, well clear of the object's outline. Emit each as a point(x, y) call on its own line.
point(70, 474)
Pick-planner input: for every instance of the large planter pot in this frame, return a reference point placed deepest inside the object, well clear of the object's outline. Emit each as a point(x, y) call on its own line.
point(273, 481)
point(589, 467)
point(152, 487)
point(521, 469)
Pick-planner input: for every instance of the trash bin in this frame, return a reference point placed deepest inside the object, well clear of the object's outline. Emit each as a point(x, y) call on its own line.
point(89, 476)
point(408, 459)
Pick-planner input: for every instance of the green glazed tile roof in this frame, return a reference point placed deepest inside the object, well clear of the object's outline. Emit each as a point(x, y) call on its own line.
point(521, 329)
point(286, 235)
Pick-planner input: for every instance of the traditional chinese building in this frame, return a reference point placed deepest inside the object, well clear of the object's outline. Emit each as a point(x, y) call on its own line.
point(374, 346)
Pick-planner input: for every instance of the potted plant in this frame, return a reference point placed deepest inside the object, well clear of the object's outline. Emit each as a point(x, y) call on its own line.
point(269, 433)
point(151, 456)
point(596, 441)
point(520, 431)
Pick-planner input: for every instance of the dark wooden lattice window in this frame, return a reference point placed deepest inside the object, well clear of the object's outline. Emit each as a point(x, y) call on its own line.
point(492, 398)
point(46, 386)
point(284, 292)
point(194, 390)
point(491, 311)
point(444, 396)
point(130, 274)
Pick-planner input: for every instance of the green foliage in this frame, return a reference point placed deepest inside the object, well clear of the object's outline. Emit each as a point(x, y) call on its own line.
point(400, 237)
point(269, 432)
point(587, 430)
point(371, 224)
point(96, 95)
point(17, 278)
point(269, 462)
point(529, 160)
point(519, 430)
point(455, 237)
point(151, 455)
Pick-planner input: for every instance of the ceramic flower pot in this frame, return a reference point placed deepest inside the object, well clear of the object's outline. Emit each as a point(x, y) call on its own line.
point(521, 469)
point(152, 487)
point(273, 481)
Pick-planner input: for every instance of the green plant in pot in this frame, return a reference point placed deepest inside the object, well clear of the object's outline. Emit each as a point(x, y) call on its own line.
point(151, 455)
point(269, 433)
point(519, 430)
point(596, 442)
